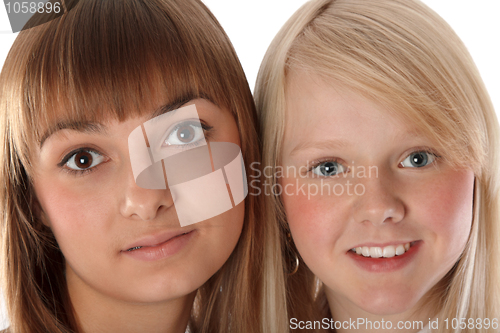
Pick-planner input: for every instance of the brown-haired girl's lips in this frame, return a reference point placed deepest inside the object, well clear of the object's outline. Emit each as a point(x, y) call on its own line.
point(156, 239)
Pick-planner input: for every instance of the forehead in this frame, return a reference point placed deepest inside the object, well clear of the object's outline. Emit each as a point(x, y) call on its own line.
point(316, 109)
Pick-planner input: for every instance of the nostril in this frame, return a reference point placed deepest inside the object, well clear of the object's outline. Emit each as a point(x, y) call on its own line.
point(145, 204)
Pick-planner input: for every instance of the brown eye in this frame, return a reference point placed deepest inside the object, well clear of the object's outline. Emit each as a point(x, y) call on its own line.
point(83, 160)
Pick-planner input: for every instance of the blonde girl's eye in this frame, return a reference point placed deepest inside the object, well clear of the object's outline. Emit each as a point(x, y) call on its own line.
point(184, 134)
point(328, 169)
point(418, 159)
point(83, 159)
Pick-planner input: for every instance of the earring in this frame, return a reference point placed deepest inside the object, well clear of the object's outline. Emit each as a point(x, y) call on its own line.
point(292, 256)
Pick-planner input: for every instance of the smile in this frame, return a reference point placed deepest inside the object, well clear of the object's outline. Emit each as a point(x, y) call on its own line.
point(382, 252)
point(385, 259)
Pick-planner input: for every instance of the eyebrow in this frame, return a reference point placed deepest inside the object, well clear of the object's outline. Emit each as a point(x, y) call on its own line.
point(328, 144)
point(98, 128)
point(336, 144)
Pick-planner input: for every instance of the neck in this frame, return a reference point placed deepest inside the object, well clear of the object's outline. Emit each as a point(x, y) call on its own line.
point(98, 312)
point(343, 310)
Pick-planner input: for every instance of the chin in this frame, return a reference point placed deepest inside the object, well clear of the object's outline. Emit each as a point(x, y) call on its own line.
point(383, 302)
point(158, 292)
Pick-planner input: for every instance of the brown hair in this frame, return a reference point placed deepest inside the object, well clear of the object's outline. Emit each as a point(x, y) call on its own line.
point(116, 58)
point(400, 53)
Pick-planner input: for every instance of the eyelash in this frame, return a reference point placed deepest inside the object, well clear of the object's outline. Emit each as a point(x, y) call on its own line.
point(207, 132)
point(73, 153)
point(317, 163)
point(420, 150)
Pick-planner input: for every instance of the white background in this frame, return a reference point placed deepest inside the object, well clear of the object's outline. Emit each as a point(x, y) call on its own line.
point(251, 25)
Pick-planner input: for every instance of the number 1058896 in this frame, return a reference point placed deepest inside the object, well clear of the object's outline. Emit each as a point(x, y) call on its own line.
point(33, 7)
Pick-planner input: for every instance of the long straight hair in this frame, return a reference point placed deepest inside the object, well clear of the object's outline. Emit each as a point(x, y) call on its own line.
point(118, 59)
point(400, 53)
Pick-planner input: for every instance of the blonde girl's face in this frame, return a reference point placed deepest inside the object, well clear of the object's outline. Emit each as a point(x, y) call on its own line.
point(374, 210)
point(88, 197)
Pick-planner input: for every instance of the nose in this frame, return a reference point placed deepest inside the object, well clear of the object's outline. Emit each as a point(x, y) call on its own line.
point(380, 203)
point(143, 203)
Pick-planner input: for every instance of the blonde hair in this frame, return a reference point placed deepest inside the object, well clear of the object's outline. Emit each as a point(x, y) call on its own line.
point(402, 54)
point(118, 59)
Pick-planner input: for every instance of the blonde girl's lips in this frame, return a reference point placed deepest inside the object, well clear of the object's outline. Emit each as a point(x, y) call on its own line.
point(385, 259)
point(160, 251)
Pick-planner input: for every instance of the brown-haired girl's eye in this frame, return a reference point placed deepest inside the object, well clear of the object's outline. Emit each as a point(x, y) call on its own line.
point(186, 133)
point(82, 159)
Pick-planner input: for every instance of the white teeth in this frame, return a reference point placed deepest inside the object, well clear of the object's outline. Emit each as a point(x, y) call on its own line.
point(400, 249)
point(378, 252)
point(389, 251)
point(375, 252)
point(134, 248)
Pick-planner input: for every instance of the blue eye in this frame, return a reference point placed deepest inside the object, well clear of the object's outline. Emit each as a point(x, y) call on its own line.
point(328, 169)
point(83, 159)
point(185, 133)
point(418, 159)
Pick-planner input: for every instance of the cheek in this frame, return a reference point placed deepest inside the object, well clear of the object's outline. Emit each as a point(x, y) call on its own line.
point(73, 213)
point(72, 205)
point(220, 236)
point(446, 209)
point(314, 220)
point(229, 225)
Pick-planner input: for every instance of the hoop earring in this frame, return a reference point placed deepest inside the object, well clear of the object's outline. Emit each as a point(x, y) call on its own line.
point(293, 257)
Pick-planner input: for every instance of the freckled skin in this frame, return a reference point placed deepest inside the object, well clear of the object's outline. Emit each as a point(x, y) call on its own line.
point(96, 215)
point(431, 204)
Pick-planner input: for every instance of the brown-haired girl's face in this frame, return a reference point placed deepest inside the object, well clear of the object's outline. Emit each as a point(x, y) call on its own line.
point(375, 211)
point(89, 198)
